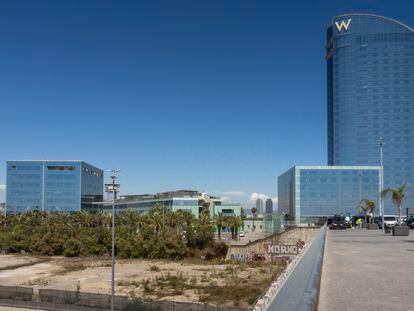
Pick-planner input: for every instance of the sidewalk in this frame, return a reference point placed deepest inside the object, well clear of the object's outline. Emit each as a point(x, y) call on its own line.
point(367, 270)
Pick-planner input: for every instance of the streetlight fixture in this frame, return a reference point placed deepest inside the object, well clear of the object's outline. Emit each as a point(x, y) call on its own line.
point(114, 189)
point(381, 147)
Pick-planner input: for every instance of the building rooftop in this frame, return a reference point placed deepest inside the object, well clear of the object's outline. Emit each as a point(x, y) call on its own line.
point(67, 161)
point(167, 195)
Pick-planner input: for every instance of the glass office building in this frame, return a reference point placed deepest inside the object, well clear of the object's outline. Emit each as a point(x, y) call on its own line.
point(186, 200)
point(52, 186)
point(307, 193)
point(370, 86)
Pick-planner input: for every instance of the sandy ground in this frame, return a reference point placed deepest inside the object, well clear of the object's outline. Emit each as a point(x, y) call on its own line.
point(15, 309)
point(13, 260)
point(133, 278)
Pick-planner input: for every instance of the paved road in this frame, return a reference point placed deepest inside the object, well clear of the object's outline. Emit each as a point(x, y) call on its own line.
point(367, 270)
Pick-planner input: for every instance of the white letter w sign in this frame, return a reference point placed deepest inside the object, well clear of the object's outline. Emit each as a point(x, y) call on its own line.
point(343, 24)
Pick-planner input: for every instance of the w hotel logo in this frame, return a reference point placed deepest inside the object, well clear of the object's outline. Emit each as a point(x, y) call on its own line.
point(343, 25)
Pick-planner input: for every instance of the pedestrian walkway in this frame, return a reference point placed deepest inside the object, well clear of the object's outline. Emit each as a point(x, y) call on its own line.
point(367, 270)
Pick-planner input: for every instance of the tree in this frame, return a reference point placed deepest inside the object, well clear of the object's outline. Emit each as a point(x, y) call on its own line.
point(83, 219)
point(155, 217)
point(254, 211)
point(107, 219)
point(238, 222)
point(367, 206)
point(243, 217)
point(204, 230)
point(130, 218)
point(398, 197)
point(173, 220)
point(234, 222)
point(219, 221)
point(85, 234)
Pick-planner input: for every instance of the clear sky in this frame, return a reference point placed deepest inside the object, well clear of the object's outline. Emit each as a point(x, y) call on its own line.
point(219, 96)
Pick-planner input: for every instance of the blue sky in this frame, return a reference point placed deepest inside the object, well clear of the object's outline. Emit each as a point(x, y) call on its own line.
point(220, 96)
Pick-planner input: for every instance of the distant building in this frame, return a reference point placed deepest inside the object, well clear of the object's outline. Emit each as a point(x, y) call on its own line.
point(188, 200)
point(259, 206)
point(307, 193)
point(52, 186)
point(269, 206)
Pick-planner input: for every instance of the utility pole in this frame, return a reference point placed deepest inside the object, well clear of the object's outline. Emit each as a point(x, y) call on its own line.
point(381, 147)
point(114, 188)
point(360, 186)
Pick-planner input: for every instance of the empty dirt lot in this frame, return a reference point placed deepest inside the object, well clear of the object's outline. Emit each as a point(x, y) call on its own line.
point(236, 284)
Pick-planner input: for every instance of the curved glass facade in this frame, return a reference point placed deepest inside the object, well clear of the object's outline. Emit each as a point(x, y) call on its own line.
point(370, 71)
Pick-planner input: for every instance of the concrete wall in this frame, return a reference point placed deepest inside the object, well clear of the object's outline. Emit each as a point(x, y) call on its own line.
point(288, 237)
point(16, 292)
point(83, 299)
point(103, 301)
point(177, 306)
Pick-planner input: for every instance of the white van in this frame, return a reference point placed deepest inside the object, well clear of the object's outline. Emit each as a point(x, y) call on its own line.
point(389, 221)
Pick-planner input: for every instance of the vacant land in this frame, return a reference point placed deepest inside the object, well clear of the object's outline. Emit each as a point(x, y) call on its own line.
point(233, 284)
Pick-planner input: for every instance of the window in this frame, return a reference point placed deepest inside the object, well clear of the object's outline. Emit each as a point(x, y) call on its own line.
point(60, 168)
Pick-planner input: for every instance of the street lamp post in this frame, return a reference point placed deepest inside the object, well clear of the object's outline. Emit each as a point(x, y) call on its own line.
point(381, 147)
point(114, 188)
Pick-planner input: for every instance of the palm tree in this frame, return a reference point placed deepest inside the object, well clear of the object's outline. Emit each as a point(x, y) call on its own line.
point(234, 222)
point(3, 221)
point(82, 219)
point(155, 218)
point(130, 218)
point(107, 219)
point(238, 222)
point(243, 217)
point(367, 206)
point(254, 211)
point(173, 220)
point(398, 197)
point(204, 229)
point(219, 221)
point(99, 218)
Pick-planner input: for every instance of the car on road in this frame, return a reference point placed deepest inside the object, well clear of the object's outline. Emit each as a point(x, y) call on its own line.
point(389, 221)
point(241, 234)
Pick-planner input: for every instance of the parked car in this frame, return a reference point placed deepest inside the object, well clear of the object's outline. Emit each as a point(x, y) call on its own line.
point(241, 234)
point(389, 221)
point(338, 222)
point(410, 222)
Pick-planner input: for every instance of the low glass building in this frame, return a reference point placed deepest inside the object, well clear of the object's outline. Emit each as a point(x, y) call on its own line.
point(52, 186)
point(186, 200)
point(308, 193)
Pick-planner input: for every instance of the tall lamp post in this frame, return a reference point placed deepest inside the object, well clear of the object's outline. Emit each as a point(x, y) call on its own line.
point(114, 189)
point(381, 147)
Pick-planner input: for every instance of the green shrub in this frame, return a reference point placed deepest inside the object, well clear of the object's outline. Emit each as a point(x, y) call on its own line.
point(160, 234)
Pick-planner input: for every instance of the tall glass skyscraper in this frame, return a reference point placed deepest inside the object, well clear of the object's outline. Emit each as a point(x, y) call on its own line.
point(370, 71)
